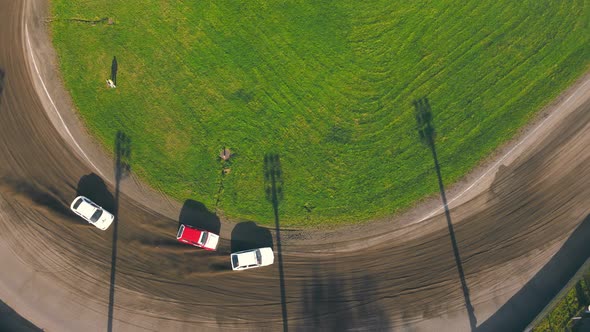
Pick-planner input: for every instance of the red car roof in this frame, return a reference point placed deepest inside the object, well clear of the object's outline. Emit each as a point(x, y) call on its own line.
point(191, 234)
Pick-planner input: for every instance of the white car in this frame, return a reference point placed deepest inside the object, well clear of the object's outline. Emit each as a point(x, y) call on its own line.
point(92, 213)
point(248, 259)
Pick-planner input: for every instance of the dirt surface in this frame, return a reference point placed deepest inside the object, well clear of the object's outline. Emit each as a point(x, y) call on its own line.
point(514, 237)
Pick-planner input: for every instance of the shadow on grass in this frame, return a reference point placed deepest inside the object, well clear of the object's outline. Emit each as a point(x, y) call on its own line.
point(10, 320)
point(427, 136)
point(331, 303)
point(529, 301)
point(195, 214)
point(114, 68)
point(122, 169)
point(273, 186)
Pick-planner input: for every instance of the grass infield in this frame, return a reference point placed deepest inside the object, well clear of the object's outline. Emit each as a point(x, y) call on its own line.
point(328, 86)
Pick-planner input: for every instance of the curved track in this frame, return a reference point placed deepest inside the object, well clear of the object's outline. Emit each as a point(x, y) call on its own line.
point(493, 269)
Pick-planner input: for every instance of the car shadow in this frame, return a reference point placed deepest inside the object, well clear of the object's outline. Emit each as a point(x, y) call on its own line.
point(94, 188)
point(196, 214)
point(247, 235)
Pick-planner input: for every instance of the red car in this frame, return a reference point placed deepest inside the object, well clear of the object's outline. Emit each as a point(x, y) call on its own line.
point(197, 237)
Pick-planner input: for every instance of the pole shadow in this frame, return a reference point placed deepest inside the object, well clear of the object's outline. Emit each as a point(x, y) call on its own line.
point(226, 157)
point(427, 136)
point(522, 308)
point(195, 214)
point(2, 75)
point(114, 68)
point(122, 169)
point(273, 187)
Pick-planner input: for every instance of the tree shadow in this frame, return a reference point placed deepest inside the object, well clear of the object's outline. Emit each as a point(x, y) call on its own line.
point(331, 303)
point(122, 168)
point(273, 187)
point(195, 214)
point(247, 235)
point(114, 68)
point(522, 308)
point(427, 135)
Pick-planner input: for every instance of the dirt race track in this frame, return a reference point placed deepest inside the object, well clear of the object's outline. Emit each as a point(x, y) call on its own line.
point(517, 235)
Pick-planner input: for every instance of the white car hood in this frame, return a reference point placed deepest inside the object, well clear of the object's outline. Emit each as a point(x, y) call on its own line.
point(212, 241)
point(268, 256)
point(105, 220)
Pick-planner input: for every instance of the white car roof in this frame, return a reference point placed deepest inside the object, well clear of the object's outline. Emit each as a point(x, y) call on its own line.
point(86, 209)
point(247, 258)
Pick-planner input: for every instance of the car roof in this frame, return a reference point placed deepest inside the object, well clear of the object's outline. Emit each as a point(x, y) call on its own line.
point(247, 258)
point(191, 234)
point(86, 209)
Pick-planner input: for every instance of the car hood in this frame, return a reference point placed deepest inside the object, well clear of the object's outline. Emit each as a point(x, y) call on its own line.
point(212, 241)
point(267, 256)
point(105, 220)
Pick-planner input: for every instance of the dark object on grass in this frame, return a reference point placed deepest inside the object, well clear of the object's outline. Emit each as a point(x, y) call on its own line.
point(225, 154)
point(114, 69)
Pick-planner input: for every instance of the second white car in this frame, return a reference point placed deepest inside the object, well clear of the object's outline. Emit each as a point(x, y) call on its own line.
point(252, 258)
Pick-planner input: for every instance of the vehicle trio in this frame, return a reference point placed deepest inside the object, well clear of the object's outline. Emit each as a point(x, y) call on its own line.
point(241, 260)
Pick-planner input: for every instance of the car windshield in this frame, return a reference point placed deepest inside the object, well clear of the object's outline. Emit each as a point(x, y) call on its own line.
point(258, 257)
point(96, 215)
point(234, 261)
point(204, 237)
point(78, 202)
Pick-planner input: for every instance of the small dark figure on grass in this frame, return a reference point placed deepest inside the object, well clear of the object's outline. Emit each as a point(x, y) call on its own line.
point(225, 154)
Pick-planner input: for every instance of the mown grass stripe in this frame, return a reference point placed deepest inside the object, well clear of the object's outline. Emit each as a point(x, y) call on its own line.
point(327, 85)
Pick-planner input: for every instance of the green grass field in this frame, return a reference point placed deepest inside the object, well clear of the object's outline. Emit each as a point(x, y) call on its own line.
point(327, 85)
